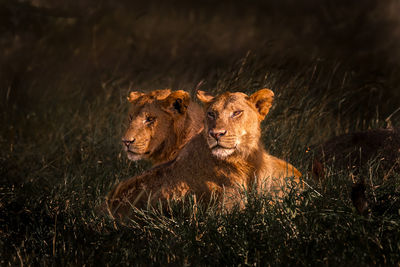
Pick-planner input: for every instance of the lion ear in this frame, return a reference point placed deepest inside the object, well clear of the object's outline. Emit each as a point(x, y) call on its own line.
point(160, 94)
point(204, 97)
point(177, 102)
point(262, 99)
point(134, 96)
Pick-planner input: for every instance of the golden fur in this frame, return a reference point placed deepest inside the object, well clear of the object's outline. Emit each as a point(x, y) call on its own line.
point(161, 123)
point(206, 166)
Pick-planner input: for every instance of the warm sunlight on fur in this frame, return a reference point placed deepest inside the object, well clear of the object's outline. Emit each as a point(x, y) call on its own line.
point(224, 159)
point(160, 124)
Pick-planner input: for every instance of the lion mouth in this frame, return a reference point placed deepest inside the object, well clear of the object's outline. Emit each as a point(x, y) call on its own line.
point(219, 146)
point(137, 153)
point(223, 147)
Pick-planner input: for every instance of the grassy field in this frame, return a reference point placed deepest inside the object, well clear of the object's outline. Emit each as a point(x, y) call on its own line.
point(66, 69)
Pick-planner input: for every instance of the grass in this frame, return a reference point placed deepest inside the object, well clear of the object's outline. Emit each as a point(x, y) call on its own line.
point(60, 149)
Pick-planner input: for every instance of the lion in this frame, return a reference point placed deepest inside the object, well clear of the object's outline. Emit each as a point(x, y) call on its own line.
point(160, 124)
point(226, 157)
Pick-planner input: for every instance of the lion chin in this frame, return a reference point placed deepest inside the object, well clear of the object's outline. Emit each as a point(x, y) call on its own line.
point(221, 152)
point(134, 156)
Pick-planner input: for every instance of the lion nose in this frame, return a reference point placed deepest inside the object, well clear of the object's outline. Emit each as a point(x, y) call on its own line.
point(128, 142)
point(217, 134)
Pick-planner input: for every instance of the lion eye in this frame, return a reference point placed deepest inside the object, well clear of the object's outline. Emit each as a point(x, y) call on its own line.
point(237, 113)
point(211, 115)
point(150, 120)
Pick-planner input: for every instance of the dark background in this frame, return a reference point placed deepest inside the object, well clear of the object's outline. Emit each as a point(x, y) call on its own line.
point(50, 48)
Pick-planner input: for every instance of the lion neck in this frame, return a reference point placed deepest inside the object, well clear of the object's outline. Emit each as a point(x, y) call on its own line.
point(166, 151)
point(183, 131)
point(251, 157)
point(191, 126)
point(186, 129)
point(239, 167)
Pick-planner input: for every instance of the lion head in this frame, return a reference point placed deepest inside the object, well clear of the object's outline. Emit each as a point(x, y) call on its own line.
point(157, 122)
point(232, 123)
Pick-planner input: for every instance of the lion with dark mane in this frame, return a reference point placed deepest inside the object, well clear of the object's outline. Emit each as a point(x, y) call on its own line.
point(225, 158)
